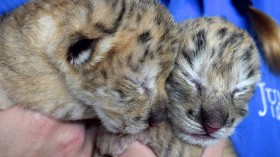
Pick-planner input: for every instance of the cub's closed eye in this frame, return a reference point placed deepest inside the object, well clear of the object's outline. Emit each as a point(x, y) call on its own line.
point(131, 80)
point(81, 51)
point(238, 91)
point(145, 88)
point(197, 84)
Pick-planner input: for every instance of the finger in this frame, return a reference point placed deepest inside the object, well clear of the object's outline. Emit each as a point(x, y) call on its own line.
point(136, 149)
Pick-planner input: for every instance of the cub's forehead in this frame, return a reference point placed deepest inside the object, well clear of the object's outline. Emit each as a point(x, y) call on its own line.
point(212, 49)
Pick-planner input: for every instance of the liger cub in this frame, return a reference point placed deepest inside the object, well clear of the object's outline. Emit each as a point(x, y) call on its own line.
point(74, 60)
point(213, 79)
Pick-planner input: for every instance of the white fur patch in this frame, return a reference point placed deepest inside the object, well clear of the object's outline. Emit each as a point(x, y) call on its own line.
point(150, 73)
point(108, 123)
point(104, 46)
point(246, 83)
point(186, 66)
point(47, 27)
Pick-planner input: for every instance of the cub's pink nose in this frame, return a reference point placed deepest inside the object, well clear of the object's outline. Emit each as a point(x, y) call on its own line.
point(211, 129)
point(214, 118)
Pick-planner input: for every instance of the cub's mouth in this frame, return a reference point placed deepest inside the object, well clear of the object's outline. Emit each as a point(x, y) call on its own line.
point(203, 139)
point(119, 127)
point(209, 133)
point(124, 125)
point(205, 136)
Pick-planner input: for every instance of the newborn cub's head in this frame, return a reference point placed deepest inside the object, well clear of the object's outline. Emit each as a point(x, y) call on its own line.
point(214, 77)
point(114, 56)
point(123, 64)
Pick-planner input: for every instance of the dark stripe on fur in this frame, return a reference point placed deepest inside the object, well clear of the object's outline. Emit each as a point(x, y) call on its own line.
point(234, 38)
point(200, 40)
point(188, 58)
point(116, 24)
point(222, 32)
point(144, 37)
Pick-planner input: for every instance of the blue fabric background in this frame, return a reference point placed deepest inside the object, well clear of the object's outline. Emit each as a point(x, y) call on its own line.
point(259, 134)
point(7, 5)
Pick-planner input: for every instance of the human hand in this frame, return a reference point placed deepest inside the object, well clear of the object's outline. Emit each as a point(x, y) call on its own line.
point(24, 133)
point(216, 150)
point(136, 149)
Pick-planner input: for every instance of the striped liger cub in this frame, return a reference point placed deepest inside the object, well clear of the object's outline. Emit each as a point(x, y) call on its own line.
point(213, 79)
point(74, 59)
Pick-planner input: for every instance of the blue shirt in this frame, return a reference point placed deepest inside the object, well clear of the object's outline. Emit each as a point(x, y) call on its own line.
point(259, 134)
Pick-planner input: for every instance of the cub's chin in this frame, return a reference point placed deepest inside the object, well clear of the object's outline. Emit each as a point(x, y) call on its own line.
point(194, 133)
point(202, 139)
point(120, 125)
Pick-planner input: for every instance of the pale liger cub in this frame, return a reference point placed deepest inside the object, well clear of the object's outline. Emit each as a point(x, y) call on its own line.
point(74, 59)
point(213, 79)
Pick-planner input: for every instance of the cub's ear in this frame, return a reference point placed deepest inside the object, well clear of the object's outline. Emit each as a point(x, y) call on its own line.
point(81, 51)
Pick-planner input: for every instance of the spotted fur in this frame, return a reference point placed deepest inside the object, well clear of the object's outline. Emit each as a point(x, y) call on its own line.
point(75, 59)
point(214, 77)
